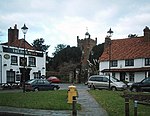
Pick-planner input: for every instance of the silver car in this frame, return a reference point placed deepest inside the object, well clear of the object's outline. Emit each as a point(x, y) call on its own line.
point(102, 82)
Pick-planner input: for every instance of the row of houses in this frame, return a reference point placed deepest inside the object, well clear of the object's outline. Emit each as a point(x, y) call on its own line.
point(127, 59)
point(12, 59)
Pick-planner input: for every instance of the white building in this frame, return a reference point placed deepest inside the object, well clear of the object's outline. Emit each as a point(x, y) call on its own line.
point(12, 60)
point(127, 59)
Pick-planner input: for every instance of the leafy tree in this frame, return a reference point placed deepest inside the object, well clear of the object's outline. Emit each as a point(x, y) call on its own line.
point(67, 55)
point(132, 35)
point(95, 54)
point(58, 48)
point(39, 45)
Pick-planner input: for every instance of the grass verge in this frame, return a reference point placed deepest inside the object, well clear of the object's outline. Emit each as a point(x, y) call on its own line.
point(49, 100)
point(113, 103)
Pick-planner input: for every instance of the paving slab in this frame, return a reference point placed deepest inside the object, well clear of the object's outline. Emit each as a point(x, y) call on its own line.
point(89, 105)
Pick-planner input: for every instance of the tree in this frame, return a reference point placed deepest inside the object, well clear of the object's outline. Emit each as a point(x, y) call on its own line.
point(132, 35)
point(94, 56)
point(67, 55)
point(39, 45)
point(58, 48)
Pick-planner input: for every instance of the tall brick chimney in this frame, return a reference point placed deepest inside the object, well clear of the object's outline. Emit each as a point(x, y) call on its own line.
point(147, 34)
point(107, 41)
point(13, 34)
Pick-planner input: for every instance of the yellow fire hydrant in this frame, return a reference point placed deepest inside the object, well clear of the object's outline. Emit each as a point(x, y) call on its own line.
point(72, 91)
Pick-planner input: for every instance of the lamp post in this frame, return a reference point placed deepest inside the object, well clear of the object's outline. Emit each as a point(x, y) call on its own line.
point(110, 32)
point(24, 30)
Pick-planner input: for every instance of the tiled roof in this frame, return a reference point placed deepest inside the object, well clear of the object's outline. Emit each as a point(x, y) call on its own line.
point(129, 48)
point(20, 43)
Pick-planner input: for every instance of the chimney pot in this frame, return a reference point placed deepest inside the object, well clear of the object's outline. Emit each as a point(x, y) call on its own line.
point(147, 34)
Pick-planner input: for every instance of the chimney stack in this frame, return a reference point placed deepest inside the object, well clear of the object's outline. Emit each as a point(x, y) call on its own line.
point(12, 34)
point(107, 41)
point(147, 34)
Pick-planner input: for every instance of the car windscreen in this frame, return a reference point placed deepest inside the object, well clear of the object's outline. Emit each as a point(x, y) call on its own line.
point(114, 79)
point(31, 81)
point(147, 80)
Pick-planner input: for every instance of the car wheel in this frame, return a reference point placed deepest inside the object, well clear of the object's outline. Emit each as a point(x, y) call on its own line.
point(55, 88)
point(134, 89)
point(92, 87)
point(113, 88)
point(36, 89)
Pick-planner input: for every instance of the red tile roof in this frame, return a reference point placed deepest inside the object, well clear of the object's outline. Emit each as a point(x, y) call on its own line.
point(129, 48)
point(20, 43)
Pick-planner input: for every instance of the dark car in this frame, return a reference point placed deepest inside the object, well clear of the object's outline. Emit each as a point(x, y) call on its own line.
point(40, 85)
point(144, 85)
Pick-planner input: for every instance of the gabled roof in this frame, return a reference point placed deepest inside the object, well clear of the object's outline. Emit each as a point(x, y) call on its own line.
point(129, 48)
point(20, 44)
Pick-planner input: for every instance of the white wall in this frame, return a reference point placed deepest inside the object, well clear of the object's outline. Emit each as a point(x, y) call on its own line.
point(40, 64)
point(138, 63)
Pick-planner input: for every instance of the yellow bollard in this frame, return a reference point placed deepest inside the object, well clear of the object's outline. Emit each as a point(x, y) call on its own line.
point(72, 91)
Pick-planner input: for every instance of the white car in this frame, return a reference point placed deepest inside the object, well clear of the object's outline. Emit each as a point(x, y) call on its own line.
point(102, 82)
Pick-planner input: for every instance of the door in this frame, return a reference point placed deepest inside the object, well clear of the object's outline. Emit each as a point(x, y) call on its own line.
point(122, 76)
point(25, 73)
point(98, 82)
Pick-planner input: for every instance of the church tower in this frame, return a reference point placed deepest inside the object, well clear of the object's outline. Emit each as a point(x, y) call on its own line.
point(86, 46)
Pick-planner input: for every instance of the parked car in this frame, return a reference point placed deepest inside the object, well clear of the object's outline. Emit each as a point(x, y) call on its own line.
point(39, 85)
point(144, 85)
point(102, 82)
point(54, 79)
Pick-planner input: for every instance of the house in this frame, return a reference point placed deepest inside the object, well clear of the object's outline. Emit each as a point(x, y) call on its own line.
point(127, 59)
point(12, 59)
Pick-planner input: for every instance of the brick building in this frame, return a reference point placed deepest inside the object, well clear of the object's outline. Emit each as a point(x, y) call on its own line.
point(86, 46)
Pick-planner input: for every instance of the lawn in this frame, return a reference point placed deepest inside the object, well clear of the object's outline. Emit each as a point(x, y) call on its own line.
point(114, 103)
point(49, 100)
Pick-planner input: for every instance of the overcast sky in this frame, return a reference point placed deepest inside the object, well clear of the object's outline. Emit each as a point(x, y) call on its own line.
point(61, 21)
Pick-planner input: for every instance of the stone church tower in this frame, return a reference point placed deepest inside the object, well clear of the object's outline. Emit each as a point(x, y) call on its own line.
point(86, 46)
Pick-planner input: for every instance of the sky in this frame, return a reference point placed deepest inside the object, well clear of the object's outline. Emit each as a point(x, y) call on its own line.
point(61, 21)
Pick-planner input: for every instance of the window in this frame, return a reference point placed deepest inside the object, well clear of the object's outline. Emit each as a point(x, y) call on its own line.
point(105, 79)
point(37, 75)
point(129, 62)
point(32, 61)
point(14, 60)
point(131, 77)
point(22, 61)
point(147, 74)
point(113, 74)
point(10, 76)
point(147, 61)
point(113, 63)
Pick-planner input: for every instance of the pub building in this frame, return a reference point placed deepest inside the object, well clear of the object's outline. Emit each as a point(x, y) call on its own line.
point(13, 67)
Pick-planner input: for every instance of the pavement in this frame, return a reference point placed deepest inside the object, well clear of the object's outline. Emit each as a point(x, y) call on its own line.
point(89, 106)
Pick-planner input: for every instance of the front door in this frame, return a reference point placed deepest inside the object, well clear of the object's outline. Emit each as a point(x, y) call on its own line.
point(122, 76)
point(25, 73)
